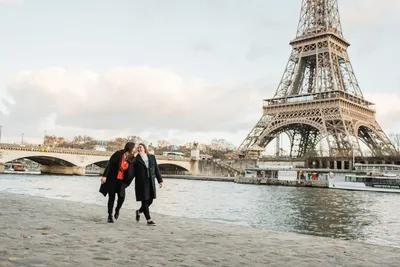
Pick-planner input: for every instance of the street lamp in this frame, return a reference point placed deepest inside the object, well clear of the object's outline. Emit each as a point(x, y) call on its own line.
point(44, 138)
point(354, 157)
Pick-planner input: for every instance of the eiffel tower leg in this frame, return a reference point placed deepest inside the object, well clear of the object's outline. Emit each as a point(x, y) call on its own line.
point(386, 146)
point(303, 140)
point(354, 139)
point(257, 137)
point(348, 126)
point(326, 136)
point(293, 137)
point(337, 130)
point(288, 74)
point(376, 140)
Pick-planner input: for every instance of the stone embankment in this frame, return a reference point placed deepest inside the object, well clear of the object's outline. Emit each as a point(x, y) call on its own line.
point(272, 181)
point(200, 178)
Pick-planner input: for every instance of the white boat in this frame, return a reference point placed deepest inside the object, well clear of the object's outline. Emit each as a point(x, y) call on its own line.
point(370, 177)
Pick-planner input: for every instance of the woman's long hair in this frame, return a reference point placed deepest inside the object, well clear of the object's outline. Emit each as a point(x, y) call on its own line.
point(129, 146)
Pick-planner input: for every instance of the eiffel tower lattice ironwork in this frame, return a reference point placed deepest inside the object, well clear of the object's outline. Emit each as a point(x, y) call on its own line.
point(318, 98)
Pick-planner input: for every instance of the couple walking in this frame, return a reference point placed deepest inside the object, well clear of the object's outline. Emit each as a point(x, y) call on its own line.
point(121, 169)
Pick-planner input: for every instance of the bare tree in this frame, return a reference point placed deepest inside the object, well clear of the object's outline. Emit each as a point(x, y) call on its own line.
point(163, 145)
point(54, 141)
point(395, 139)
point(116, 144)
point(82, 142)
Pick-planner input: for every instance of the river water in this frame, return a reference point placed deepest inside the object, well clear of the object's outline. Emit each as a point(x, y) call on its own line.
point(353, 215)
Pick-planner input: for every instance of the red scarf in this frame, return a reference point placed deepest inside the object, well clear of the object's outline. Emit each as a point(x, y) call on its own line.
point(124, 166)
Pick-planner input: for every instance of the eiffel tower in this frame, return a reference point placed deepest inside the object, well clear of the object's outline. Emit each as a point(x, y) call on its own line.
point(318, 100)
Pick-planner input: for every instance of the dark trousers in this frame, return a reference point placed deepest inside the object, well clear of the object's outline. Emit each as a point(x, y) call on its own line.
point(111, 197)
point(145, 208)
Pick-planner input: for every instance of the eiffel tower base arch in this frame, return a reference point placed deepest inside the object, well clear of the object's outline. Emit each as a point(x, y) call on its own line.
point(343, 125)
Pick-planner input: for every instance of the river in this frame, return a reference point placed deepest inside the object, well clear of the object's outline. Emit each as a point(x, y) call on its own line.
point(353, 215)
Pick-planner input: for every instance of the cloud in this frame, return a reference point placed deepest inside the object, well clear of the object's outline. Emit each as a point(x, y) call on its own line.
point(387, 110)
point(129, 101)
point(367, 12)
point(202, 47)
point(11, 2)
point(152, 103)
point(257, 51)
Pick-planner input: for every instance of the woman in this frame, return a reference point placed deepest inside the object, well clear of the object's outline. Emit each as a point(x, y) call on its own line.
point(146, 170)
point(117, 176)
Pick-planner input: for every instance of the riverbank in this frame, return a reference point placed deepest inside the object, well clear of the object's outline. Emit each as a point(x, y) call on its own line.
point(200, 178)
point(48, 232)
point(275, 181)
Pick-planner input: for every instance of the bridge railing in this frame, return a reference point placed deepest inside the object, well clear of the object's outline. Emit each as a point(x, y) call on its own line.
point(160, 157)
point(55, 150)
point(76, 151)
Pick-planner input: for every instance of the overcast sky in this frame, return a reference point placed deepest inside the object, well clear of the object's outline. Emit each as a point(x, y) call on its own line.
point(181, 70)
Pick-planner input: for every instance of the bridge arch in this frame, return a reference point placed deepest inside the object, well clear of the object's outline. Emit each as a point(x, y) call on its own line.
point(40, 159)
point(173, 167)
point(100, 163)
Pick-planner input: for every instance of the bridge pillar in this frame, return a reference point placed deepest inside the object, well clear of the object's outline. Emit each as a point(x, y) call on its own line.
point(2, 167)
point(194, 167)
point(194, 160)
point(65, 170)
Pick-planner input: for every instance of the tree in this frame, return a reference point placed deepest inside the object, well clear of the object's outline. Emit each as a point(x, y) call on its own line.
point(116, 144)
point(163, 145)
point(88, 142)
point(83, 142)
point(54, 141)
point(188, 145)
point(61, 142)
point(50, 140)
point(221, 145)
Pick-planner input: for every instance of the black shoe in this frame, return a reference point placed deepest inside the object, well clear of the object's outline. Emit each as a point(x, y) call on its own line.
point(151, 223)
point(116, 215)
point(110, 219)
point(137, 216)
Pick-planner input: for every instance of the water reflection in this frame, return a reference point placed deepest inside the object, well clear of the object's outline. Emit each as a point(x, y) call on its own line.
point(366, 216)
point(338, 214)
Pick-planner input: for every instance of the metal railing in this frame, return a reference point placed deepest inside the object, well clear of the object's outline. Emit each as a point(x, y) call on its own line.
point(317, 97)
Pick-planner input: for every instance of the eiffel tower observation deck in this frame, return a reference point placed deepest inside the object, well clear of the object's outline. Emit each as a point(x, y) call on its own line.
point(318, 102)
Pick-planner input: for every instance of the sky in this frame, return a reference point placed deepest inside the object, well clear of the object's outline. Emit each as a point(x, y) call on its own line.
point(177, 70)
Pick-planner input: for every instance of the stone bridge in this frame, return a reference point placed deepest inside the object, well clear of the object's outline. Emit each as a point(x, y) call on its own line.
point(75, 161)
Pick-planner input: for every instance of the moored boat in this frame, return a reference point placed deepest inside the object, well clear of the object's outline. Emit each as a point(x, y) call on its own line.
point(14, 166)
point(370, 177)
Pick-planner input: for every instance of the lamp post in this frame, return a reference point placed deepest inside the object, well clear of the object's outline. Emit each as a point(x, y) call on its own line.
point(44, 138)
point(22, 140)
point(354, 158)
point(0, 132)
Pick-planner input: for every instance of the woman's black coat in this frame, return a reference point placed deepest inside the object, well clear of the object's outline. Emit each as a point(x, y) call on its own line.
point(145, 186)
point(111, 172)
